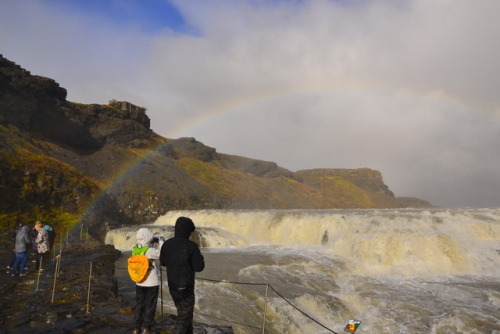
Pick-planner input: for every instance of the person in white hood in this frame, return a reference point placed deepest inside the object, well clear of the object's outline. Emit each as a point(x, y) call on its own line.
point(146, 292)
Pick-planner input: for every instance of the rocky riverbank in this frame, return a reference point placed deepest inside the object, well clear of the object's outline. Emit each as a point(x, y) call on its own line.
point(42, 303)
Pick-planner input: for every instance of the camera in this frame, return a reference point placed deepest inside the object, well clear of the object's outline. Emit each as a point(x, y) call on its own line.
point(156, 240)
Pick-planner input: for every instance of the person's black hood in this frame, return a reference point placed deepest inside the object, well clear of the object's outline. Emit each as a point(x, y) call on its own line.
point(184, 227)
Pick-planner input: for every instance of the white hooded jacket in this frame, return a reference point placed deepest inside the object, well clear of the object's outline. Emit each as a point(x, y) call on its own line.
point(145, 238)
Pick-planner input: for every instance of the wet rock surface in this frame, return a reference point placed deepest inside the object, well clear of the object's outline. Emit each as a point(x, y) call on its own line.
point(42, 303)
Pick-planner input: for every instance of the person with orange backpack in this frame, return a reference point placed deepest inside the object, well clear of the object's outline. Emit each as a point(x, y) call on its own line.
point(143, 270)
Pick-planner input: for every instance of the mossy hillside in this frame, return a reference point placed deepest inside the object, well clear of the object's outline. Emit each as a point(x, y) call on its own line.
point(8, 220)
point(237, 186)
point(58, 218)
point(347, 194)
point(37, 187)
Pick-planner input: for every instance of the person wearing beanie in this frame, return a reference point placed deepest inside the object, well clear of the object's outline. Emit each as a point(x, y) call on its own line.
point(182, 258)
point(146, 292)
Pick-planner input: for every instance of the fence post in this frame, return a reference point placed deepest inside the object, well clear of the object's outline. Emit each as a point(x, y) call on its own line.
point(39, 272)
point(161, 290)
point(265, 310)
point(58, 258)
point(88, 294)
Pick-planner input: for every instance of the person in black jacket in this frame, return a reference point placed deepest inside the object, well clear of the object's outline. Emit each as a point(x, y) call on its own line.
point(183, 258)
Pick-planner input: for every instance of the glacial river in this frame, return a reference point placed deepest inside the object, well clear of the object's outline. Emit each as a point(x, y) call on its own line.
point(395, 270)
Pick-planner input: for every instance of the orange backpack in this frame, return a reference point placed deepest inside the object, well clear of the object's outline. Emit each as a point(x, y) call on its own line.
point(138, 264)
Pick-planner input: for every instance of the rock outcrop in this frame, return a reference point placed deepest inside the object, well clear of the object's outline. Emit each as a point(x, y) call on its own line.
point(38, 105)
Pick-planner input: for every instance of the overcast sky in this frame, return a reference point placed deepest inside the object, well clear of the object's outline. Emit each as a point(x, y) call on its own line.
point(409, 88)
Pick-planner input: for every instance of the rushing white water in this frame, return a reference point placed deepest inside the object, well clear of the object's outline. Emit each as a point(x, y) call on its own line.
point(398, 271)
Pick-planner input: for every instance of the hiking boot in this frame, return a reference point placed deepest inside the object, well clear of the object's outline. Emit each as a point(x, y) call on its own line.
point(22, 274)
point(136, 331)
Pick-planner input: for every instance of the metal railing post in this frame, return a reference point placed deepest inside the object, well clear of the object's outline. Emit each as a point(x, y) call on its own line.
point(265, 310)
point(161, 290)
point(88, 294)
point(39, 272)
point(58, 258)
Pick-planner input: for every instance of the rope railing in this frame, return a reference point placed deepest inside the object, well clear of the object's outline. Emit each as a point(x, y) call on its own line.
point(276, 291)
point(220, 319)
point(229, 282)
point(58, 265)
point(213, 281)
point(57, 257)
point(236, 283)
point(232, 322)
point(305, 314)
point(254, 284)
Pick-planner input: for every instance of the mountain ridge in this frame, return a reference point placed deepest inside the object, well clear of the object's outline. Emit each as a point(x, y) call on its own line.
point(109, 166)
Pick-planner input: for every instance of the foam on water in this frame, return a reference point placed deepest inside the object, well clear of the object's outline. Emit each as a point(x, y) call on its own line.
point(125, 238)
point(399, 271)
point(386, 242)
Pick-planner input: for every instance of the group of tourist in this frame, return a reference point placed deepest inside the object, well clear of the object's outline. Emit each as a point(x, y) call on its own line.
point(40, 240)
point(181, 257)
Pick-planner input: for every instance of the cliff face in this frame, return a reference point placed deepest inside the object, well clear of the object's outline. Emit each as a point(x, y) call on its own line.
point(375, 192)
point(105, 162)
point(38, 105)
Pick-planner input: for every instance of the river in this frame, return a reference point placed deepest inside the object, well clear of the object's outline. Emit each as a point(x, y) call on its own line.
point(395, 270)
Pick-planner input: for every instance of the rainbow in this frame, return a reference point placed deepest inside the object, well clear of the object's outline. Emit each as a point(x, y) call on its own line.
point(261, 100)
point(243, 103)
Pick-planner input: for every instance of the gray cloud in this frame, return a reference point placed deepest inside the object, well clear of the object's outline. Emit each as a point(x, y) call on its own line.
point(405, 87)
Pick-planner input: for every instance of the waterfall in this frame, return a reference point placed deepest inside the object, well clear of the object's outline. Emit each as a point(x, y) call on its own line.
point(388, 241)
point(397, 270)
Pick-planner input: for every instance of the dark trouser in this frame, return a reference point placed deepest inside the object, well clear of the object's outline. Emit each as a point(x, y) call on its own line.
point(20, 262)
point(13, 259)
point(146, 298)
point(185, 308)
point(39, 260)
